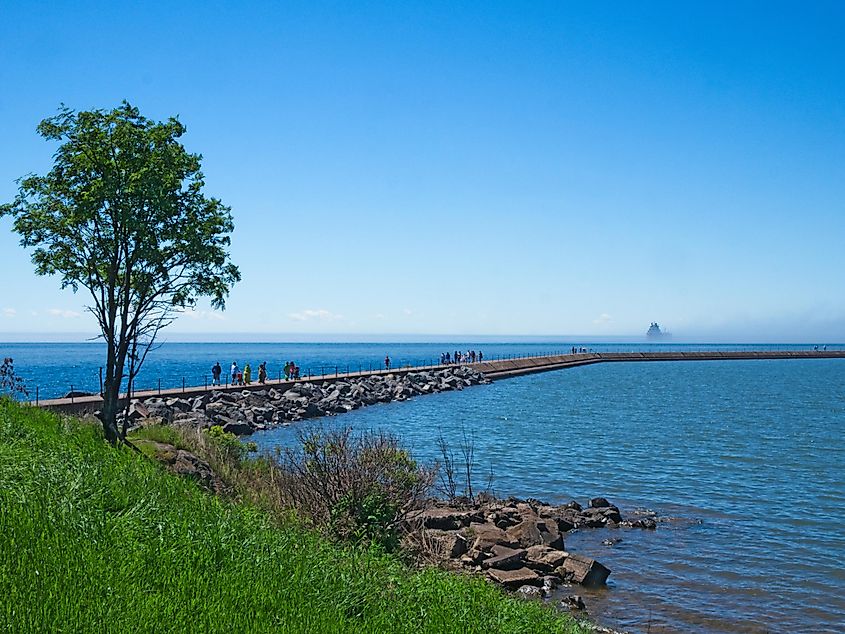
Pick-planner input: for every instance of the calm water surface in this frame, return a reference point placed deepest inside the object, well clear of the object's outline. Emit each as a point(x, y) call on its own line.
point(745, 459)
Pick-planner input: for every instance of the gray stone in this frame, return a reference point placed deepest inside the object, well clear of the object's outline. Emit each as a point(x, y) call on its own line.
point(505, 558)
point(515, 578)
point(530, 592)
point(238, 428)
point(489, 535)
point(584, 570)
point(544, 558)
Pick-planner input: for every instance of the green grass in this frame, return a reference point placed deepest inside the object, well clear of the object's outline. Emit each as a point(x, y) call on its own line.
point(94, 539)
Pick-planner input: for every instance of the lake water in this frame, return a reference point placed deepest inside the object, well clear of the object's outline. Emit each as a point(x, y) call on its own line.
point(746, 460)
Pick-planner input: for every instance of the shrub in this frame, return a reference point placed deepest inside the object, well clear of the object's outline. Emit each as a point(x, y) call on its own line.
point(360, 486)
point(229, 444)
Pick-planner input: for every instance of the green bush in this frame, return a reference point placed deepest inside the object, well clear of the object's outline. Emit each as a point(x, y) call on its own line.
point(231, 446)
point(361, 486)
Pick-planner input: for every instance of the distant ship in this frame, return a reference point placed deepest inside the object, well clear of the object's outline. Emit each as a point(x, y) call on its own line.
point(654, 332)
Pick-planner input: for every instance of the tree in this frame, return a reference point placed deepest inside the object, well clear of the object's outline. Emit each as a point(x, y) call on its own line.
point(10, 382)
point(122, 214)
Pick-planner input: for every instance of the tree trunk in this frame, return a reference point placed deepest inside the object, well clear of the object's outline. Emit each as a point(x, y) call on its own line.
point(108, 415)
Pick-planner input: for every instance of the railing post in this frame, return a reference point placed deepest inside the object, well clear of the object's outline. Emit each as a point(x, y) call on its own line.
point(159, 386)
point(183, 385)
point(36, 396)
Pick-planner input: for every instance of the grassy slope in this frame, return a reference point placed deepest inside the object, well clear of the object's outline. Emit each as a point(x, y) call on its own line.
point(99, 540)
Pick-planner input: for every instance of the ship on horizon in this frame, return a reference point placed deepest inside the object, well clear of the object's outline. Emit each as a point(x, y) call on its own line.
point(654, 332)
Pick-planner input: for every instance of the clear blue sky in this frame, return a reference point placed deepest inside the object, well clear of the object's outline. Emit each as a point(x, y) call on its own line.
point(457, 168)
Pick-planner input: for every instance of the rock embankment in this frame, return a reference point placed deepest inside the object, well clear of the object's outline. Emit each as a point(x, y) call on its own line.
point(519, 544)
point(243, 412)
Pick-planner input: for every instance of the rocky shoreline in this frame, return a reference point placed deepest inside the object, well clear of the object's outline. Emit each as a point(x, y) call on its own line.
point(519, 544)
point(247, 411)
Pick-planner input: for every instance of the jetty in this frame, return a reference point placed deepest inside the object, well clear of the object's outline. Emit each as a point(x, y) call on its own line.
point(492, 369)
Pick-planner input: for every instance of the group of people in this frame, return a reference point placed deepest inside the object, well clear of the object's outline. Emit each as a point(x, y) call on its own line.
point(239, 377)
point(291, 371)
point(470, 356)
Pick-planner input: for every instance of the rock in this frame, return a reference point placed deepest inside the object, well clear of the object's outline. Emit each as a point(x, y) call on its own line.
point(159, 410)
point(217, 407)
point(505, 558)
point(447, 518)
point(530, 592)
point(598, 503)
point(186, 464)
point(583, 570)
point(573, 602)
point(138, 411)
point(311, 410)
point(238, 428)
point(550, 582)
point(514, 578)
point(489, 535)
point(545, 559)
point(532, 531)
point(179, 404)
point(612, 542)
point(446, 544)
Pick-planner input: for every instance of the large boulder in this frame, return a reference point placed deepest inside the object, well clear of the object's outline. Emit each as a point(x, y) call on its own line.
point(532, 531)
point(447, 518)
point(583, 570)
point(186, 464)
point(446, 544)
point(488, 535)
point(513, 579)
point(544, 559)
point(238, 428)
point(505, 558)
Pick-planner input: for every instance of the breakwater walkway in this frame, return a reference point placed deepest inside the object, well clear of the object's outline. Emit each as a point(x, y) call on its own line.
point(494, 370)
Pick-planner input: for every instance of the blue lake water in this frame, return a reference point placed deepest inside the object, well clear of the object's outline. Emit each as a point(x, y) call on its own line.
point(747, 458)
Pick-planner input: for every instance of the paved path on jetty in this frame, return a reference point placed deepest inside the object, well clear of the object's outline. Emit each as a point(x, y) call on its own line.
point(498, 369)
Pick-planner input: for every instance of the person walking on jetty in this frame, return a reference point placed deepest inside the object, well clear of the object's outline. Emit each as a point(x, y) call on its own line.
point(216, 371)
point(262, 372)
point(235, 371)
point(247, 374)
point(386, 362)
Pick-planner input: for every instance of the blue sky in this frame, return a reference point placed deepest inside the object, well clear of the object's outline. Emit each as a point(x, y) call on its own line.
point(471, 168)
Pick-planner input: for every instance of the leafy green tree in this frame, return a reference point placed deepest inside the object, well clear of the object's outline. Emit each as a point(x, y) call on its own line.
point(122, 214)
